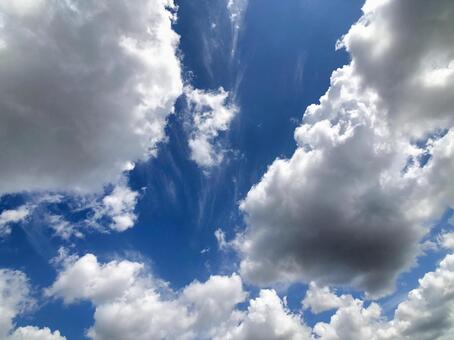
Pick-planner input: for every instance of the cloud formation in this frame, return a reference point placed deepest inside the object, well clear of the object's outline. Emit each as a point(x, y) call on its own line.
point(373, 160)
point(130, 303)
point(84, 89)
point(426, 314)
point(212, 114)
point(15, 299)
point(11, 216)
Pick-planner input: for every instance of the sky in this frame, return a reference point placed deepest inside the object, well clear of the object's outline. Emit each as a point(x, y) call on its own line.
point(226, 169)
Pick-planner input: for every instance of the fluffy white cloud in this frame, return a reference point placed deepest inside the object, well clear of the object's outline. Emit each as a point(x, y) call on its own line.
point(85, 87)
point(268, 318)
point(119, 207)
point(352, 203)
point(14, 300)
point(426, 314)
point(211, 114)
point(8, 217)
point(321, 299)
point(131, 304)
point(35, 333)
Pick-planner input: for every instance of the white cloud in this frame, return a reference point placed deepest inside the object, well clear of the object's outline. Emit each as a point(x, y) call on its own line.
point(447, 240)
point(322, 299)
point(113, 211)
point(351, 204)
point(119, 206)
point(212, 114)
point(11, 216)
point(220, 239)
point(268, 318)
point(237, 10)
point(63, 228)
point(85, 88)
point(14, 300)
point(426, 314)
point(35, 333)
point(130, 303)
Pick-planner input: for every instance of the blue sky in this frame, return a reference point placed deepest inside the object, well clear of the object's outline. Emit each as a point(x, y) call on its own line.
point(274, 201)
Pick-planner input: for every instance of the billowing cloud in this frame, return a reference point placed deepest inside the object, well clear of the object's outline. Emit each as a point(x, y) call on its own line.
point(14, 300)
point(211, 114)
point(267, 317)
point(322, 299)
point(85, 88)
point(130, 303)
point(373, 160)
point(426, 314)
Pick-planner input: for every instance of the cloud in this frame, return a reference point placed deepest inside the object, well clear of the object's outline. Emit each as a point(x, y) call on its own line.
point(113, 210)
point(131, 303)
point(268, 318)
point(372, 165)
point(15, 299)
point(212, 114)
point(8, 217)
point(447, 240)
point(322, 299)
point(426, 314)
point(119, 207)
point(237, 10)
point(84, 89)
point(220, 239)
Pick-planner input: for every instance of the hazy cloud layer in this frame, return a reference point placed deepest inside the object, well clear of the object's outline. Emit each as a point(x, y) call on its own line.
point(373, 159)
point(84, 89)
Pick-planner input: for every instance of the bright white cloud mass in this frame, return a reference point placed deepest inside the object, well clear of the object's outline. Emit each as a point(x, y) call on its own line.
point(374, 159)
point(130, 303)
point(85, 88)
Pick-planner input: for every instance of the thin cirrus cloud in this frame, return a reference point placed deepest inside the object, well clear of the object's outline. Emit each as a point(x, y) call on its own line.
point(84, 90)
point(373, 162)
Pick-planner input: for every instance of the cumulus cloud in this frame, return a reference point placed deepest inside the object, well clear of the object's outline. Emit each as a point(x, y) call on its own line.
point(14, 300)
point(85, 88)
point(11, 216)
point(131, 303)
point(268, 318)
point(321, 299)
point(373, 160)
point(119, 207)
point(426, 314)
point(212, 114)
